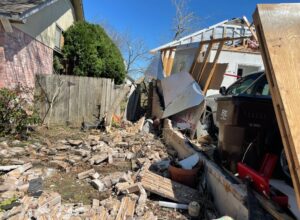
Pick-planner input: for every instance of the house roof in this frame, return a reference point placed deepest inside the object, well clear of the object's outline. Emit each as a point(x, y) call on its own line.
point(19, 10)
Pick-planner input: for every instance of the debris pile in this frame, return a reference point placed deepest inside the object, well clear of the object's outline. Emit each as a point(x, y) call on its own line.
point(28, 166)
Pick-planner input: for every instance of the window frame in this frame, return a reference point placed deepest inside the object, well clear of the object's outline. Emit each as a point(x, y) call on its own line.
point(57, 27)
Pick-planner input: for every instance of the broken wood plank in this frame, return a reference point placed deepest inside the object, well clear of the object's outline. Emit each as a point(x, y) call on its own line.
point(204, 62)
point(126, 209)
point(212, 70)
point(169, 189)
point(165, 56)
point(196, 60)
point(170, 62)
point(277, 28)
point(251, 29)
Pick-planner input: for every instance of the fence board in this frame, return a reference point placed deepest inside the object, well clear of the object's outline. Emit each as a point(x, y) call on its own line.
point(73, 102)
point(79, 98)
point(103, 97)
point(107, 96)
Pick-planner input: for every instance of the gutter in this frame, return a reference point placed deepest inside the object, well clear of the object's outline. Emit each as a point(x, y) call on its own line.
point(78, 8)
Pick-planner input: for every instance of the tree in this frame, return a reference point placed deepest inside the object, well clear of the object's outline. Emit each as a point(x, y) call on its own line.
point(135, 52)
point(136, 56)
point(88, 51)
point(185, 21)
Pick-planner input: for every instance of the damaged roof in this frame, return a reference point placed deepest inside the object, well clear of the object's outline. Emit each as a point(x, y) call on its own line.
point(19, 10)
point(197, 36)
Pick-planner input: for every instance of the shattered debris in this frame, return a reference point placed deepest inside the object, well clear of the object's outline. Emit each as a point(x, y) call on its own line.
point(112, 167)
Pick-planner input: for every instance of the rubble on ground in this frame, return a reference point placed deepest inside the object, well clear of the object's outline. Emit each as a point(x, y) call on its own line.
point(26, 167)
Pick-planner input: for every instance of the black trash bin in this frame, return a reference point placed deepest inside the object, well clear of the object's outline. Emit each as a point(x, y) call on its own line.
point(242, 119)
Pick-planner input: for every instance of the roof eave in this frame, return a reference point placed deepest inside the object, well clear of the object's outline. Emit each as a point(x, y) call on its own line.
point(77, 5)
point(23, 16)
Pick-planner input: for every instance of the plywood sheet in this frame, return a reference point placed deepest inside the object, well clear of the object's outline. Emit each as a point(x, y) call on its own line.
point(169, 189)
point(278, 29)
point(218, 75)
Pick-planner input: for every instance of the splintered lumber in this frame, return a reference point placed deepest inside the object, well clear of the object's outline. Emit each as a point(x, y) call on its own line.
point(278, 31)
point(199, 67)
point(251, 29)
point(126, 210)
point(169, 189)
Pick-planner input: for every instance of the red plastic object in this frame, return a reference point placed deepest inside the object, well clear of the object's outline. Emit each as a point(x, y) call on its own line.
point(282, 201)
point(261, 179)
point(260, 183)
point(268, 165)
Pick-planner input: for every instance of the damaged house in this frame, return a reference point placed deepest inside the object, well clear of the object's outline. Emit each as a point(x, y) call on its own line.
point(178, 55)
point(250, 167)
point(30, 34)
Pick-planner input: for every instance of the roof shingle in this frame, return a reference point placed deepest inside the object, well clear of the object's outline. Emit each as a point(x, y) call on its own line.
point(15, 8)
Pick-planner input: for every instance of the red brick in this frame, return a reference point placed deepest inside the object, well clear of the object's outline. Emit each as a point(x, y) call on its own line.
point(21, 58)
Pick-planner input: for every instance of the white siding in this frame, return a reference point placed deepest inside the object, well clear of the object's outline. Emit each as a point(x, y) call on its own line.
point(234, 59)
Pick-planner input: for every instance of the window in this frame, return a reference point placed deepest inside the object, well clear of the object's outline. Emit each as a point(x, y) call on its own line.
point(245, 70)
point(242, 84)
point(259, 88)
point(58, 38)
point(240, 72)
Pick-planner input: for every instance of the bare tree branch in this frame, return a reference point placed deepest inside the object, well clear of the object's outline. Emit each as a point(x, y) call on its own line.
point(185, 21)
point(51, 101)
point(135, 52)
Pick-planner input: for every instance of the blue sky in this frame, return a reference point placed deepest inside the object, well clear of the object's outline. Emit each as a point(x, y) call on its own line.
point(151, 20)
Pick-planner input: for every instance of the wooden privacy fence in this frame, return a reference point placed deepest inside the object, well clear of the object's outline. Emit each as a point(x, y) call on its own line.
point(65, 99)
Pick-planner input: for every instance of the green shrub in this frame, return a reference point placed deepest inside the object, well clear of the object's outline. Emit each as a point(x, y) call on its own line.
point(16, 114)
point(88, 51)
point(57, 66)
